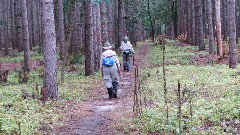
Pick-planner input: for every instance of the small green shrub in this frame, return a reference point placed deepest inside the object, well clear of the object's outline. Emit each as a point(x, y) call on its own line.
point(77, 59)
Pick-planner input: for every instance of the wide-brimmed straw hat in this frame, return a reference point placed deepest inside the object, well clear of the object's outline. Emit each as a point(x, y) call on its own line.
point(107, 46)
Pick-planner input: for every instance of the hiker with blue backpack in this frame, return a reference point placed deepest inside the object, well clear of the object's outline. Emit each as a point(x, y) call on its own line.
point(110, 70)
point(127, 51)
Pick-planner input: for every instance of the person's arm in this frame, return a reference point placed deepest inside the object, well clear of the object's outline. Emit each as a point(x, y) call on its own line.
point(118, 65)
point(130, 46)
point(101, 65)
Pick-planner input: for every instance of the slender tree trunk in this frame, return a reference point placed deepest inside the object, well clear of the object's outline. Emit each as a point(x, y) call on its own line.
point(214, 16)
point(1, 26)
point(6, 26)
point(89, 52)
point(25, 36)
point(218, 26)
point(78, 40)
point(61, 28)
point(49, 49)
point(12, 23)
point(119, 22)
point(104, 22)
point(210, 27)
point(110, 21)
point(224, 19)
point(98, 35)
point(199, 25)
point(34, 23)
point(29, 9)
point(19, 27)
point(193, 32)
point(238, 19)
point(233, 56)
point(188, 2)
point(151, 21)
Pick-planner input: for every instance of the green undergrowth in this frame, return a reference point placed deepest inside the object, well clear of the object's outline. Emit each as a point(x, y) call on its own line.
point(174, 54)
point(21, 114)
point(35, 54)
point(212, 91)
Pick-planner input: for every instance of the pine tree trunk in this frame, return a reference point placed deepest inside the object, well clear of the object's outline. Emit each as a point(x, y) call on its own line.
point(89, 52)
point(1, 26)
point(104, 23)
point(6, 26)
point(151, 21)
point(224, 19)
point(49, 49)
point(218, 26)
point(110, 22)
point(119, 24)
point(61, 28)
point(34, 23)
point(210, 27)
point(12, 14)
point(19, 27)
point(78, 40)
point(29, 13)
point(193, 28)
point(238, 19)
point(188, 2)
point(199, 25)
point(98, 35)
point(233, 56)
point(214, 16)
point(25, 36)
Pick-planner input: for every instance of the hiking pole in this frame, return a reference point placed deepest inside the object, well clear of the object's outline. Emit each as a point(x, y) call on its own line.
point(133, 60)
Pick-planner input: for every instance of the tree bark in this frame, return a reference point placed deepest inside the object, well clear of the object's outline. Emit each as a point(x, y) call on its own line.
point(61, 28)
point(210, 27)
point(110, 22)
point(89, 52)
point(6, 26)
point(49, 49)
point(19, 27)
point(233, 56)
point(104, 23)
point(193, 31)
point(98, 35)
point(151, 21)
point(188, 3)
point(29, 15)
point(199, 25)
point(25, 36)
point(12, 14)
point(119, 22)
point(218, 26)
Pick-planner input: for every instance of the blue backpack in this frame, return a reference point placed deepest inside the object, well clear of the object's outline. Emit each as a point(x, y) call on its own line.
point(108, 61)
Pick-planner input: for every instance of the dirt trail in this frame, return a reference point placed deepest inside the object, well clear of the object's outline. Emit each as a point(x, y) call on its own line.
point(99, 115)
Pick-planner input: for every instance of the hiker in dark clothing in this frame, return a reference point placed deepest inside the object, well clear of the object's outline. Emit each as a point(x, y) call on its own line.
point(127, 50)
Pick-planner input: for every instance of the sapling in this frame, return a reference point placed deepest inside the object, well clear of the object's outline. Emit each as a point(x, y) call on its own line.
point(179, 106)
point(164, 81)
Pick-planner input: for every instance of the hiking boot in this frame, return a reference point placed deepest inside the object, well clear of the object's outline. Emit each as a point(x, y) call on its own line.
point(115, 85)
point(110, 93)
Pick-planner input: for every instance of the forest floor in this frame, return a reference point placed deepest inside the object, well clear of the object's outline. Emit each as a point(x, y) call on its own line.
point(98, 114)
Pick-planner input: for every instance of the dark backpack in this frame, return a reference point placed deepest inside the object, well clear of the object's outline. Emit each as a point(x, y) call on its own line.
point(127, 52)
point(108, 61)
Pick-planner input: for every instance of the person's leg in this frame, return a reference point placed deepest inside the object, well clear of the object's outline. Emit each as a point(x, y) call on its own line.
point(128, 63)
point(115, 80)
point(108, 81)
point(124, 62)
